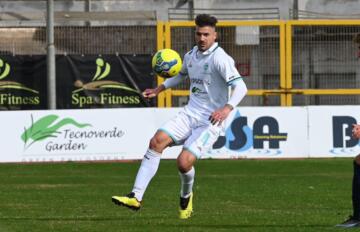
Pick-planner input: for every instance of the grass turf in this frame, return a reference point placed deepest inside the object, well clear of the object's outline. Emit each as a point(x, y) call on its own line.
point(229, 195)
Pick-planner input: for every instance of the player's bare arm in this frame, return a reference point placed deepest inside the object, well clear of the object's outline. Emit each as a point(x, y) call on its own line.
point(150, 93)
point(356, 131)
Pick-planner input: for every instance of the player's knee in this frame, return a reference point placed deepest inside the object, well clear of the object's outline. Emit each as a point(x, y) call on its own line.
point(157, 143)
point(185, 163)
point(183, 166)
point(357, 159)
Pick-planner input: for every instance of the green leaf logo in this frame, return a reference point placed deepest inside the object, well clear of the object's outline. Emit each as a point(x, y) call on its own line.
point(46, 127)
point(195, 90)
point(4, 72)
point(4, 68)
point(100, 64)
point(103, 70)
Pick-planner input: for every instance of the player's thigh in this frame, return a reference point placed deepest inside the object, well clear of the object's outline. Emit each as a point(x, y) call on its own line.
point(178, 128)
point(185, 161)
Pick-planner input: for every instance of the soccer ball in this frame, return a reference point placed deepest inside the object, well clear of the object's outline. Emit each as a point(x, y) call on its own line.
point(166, 63)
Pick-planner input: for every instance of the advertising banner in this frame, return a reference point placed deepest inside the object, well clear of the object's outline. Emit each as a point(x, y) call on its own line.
point(330, 131)
point(118, 134)
point(75, 134)
point(23, 83)
point(108, 81)
point(259, 132)
point(124, 133)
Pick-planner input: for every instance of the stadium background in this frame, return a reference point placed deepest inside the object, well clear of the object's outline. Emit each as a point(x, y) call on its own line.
point(312, 60)
point(290, 53)
point(300, 54)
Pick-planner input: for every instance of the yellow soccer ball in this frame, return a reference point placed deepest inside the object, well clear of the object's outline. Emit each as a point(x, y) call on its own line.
point(166, 63)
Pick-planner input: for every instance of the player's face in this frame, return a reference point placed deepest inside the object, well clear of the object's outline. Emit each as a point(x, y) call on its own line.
point(205, 37)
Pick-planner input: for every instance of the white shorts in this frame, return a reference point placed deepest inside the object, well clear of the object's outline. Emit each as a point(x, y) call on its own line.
point(196, 136)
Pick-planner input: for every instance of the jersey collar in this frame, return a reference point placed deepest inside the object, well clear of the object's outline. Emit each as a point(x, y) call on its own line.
point(210, 50)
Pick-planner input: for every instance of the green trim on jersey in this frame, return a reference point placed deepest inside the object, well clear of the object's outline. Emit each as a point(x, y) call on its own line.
point(215, 48)
point(233, 80)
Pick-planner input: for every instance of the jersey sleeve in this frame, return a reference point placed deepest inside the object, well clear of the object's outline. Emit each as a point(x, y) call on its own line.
point(184, 71)
point(238, 93)
point(173, 81)
point(225, 65)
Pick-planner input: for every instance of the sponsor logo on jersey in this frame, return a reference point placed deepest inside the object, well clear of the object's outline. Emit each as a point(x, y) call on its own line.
point(195, 90)
point(206, 67)
point(196, 81)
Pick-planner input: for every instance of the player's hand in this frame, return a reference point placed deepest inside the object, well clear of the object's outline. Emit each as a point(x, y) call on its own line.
point(219, 115)
point(356, 131)
point(149, 93)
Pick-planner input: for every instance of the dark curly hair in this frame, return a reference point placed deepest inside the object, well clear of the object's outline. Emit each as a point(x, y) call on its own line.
point(203, 20)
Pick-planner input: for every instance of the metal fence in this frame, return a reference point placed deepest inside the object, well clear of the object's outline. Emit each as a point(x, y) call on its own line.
point(256, 48)
point(80, 40)
point(323, 62)
point(226, 14)
point(313, 63)
point(302, 62)
point(304, 14)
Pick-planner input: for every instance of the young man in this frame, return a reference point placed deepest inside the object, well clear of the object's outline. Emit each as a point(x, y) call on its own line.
point(211, 71)
point(354, 220)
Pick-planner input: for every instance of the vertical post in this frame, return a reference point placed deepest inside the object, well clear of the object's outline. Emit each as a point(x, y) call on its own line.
point(191, 10)
point(288, 62)
point(87, 5)
point(296, 9)
point(168, 95)
point(283, 96)
point(160, 45)
point(88, 9)
point(51, 80)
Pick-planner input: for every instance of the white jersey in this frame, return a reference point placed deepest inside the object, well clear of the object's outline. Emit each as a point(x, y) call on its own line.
point(211, 73)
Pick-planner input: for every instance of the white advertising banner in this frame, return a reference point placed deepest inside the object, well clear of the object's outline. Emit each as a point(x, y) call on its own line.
point(330, 131)
point(264, 132)
point(123, 134)
point(63, 135)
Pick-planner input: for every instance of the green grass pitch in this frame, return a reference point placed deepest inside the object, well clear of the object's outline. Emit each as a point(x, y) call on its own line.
point(229, 195)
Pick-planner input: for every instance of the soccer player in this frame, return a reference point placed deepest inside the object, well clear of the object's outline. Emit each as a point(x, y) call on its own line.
point(211, 71)
point(354, 220)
